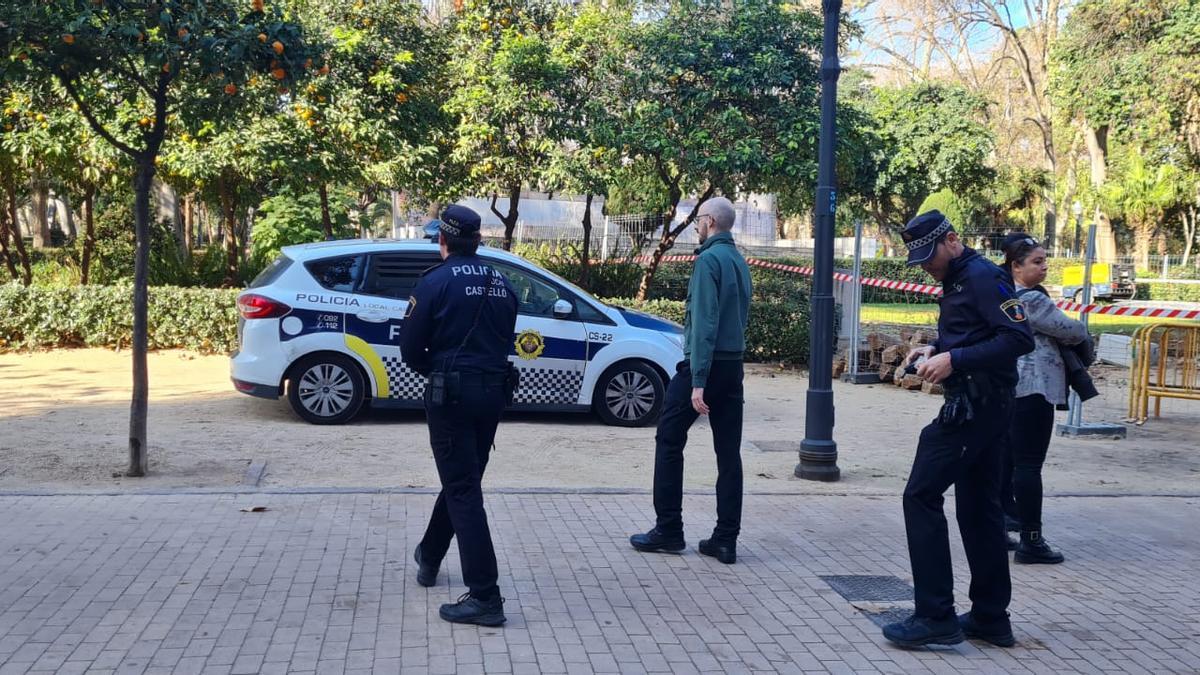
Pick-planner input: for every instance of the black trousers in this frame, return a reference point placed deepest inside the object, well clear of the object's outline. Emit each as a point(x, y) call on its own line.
point(462, 435)
point(723, 394)
point(1029, 441)
point(967, 456)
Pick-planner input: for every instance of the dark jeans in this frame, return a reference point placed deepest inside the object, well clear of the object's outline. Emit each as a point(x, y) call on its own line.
point(1029, 439)
point(967, 456)
point(723, 394)
point(461, 435)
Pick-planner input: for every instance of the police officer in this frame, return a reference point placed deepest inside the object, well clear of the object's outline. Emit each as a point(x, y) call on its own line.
point(458, 332)
point(981, 332)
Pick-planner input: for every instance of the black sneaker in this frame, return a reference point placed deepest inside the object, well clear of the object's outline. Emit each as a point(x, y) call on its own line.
point(469, 609)
point(655, 541)
point(426, 574)
point(998, 633)
point(1035, 551)
point(726, 553)
point(917, 631)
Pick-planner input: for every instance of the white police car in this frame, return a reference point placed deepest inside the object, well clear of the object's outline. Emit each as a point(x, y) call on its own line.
point(320, 325)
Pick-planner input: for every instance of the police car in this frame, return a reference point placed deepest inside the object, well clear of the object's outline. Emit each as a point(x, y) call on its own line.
point(320, 325)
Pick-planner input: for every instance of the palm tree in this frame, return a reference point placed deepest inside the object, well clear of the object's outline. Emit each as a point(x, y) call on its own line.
point(1142, 194)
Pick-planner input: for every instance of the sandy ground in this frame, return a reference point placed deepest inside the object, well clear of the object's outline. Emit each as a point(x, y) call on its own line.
point(64, 425)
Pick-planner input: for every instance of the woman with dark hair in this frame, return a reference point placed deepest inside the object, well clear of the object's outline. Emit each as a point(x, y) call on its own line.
point(1041, 386)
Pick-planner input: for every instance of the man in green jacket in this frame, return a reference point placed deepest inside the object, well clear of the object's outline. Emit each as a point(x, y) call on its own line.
point(707, 382)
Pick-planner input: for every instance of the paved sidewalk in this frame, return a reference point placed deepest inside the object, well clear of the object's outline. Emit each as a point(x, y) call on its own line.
point(324, 583)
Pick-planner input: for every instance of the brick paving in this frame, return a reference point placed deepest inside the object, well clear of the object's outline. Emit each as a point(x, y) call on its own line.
point(324, 583)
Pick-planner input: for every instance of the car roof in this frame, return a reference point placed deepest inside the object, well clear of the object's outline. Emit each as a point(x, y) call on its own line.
point(325, 249)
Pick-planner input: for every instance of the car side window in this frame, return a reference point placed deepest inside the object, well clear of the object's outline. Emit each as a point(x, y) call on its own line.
point(394, 275)
point(535, 296)
point(337, 274)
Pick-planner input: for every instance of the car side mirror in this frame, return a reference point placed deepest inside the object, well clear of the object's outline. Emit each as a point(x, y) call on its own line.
point(563, 309)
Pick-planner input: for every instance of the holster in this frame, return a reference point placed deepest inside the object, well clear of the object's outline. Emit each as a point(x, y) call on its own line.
point(964, 392)
point(443, 388)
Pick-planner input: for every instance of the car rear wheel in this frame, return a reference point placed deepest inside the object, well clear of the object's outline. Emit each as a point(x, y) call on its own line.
point(326, 389)
point(629, 394)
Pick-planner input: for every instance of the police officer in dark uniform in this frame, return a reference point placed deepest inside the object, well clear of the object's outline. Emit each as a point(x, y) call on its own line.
point(981, 332)
point(458, 333)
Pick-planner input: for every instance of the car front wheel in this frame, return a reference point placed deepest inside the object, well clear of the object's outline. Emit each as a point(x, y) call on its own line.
point(629, 394)
point(326, 389)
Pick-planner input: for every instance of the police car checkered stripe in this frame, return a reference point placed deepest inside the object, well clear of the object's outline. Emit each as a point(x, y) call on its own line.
point(403, 382)
point(549, 385)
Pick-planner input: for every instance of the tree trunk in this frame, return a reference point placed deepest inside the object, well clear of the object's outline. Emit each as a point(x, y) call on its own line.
point(585, 256)
point(40, 199)
point(189, 225)
point(10, 188)
point(68, 215)
point(5, 234)
point(668, 237)
point(89, 234)
point(138, 462)
point(1191, 219)
point(326, 221)
point(1143, 237)
point(509, 219)
point(226, 186)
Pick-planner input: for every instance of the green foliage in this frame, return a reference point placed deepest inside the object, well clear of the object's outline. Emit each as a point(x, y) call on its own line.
point(612, 279)
point(288, 219)
point(1168, 292)
point(958, 210)
point(203, 320)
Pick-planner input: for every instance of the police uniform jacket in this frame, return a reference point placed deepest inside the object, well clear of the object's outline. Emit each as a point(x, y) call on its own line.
point(982, 324)
point(461, 316)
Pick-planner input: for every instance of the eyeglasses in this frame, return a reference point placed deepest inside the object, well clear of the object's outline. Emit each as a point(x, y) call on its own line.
point(1030, 241)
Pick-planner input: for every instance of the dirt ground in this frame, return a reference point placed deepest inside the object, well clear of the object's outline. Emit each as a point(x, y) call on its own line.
point(64, 425)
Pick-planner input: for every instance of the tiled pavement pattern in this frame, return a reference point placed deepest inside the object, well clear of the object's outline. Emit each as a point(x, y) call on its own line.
point(324, 583)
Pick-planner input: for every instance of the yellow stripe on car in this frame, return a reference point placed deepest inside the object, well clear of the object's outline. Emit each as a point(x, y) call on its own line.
point(360, 347)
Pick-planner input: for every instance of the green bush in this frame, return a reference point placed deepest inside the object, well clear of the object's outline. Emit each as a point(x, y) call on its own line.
point(1168, 292)
point(199, 319)
point(289, 219)
point(205, 320)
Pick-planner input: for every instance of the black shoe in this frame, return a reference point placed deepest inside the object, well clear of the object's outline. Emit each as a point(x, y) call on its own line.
point(998, 633)
point(1011, 524)
point(470, 609)
point(1013, 542)
point(426, 574)
point(655, 541)
point(1035, 551)
point(916, 631)
point(726, 553)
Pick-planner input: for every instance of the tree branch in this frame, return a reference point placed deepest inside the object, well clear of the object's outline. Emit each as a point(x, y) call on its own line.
point(91, 119)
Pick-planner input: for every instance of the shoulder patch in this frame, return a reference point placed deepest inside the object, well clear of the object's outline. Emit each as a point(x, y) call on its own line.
point(1014, 309)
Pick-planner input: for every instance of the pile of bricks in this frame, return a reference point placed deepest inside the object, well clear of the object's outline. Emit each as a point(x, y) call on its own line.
point(885, 354)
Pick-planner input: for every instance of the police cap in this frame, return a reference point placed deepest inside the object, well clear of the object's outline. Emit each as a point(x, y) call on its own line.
point(459, 221)
point(922, 234)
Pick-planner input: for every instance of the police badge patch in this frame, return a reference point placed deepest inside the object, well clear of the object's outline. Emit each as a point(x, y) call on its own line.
point(1014, 310)
point(529, 344)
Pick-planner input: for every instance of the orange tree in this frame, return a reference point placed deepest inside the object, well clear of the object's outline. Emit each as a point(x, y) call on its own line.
point(126, 64)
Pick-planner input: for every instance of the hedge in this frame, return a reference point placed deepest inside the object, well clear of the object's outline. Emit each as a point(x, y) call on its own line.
point(205, 320)
point(1168, 292)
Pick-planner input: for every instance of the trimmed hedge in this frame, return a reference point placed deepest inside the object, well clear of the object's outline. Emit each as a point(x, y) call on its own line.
point(205, 320)
point(198, 319)
point(1168, 292)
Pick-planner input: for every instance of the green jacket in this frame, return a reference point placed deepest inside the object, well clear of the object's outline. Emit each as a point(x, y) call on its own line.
point(718, 306)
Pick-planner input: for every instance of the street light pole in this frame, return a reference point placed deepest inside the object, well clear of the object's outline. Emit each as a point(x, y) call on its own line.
point(818, 451)
point(1077, 209)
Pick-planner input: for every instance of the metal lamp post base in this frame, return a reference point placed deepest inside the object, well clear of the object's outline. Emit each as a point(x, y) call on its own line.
point(818, 461)
point(1093, 430)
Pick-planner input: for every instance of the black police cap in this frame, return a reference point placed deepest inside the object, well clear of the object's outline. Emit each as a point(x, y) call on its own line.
point(459, 221)
point(922, 234)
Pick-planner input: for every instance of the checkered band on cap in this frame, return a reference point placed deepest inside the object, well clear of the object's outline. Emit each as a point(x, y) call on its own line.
point(931, 237)
point(452, 229)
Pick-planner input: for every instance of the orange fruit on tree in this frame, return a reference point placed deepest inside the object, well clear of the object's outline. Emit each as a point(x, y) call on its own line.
point(279, 73)
point(69, 39)
point(145, 122)
point(307, 64)
point(324, 70)
point(183, 32)
point(257, 5)
point(166, 68)
point(262, 37)
point(484, 25)
point(277, 46)
point(231, 89)
point(401, 97)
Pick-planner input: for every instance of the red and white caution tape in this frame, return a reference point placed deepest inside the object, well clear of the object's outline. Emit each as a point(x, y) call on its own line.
point(929, 289)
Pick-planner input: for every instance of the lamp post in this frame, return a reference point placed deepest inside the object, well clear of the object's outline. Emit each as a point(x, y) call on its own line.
point(818, 451)
point(1077, 209)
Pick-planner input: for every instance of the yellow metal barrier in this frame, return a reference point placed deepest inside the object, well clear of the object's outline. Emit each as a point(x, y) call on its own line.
point(1165, 361)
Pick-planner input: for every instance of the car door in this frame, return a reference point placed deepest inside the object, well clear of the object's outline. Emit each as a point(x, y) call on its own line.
point(388, 282)
point(549, 350)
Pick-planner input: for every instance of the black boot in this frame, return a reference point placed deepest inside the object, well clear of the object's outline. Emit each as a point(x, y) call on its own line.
point(998, 633)
point(725, 552)
point(470, 609)
point(1035, 551)
point(426, 574)
point(655, 541)
point(917, 631)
